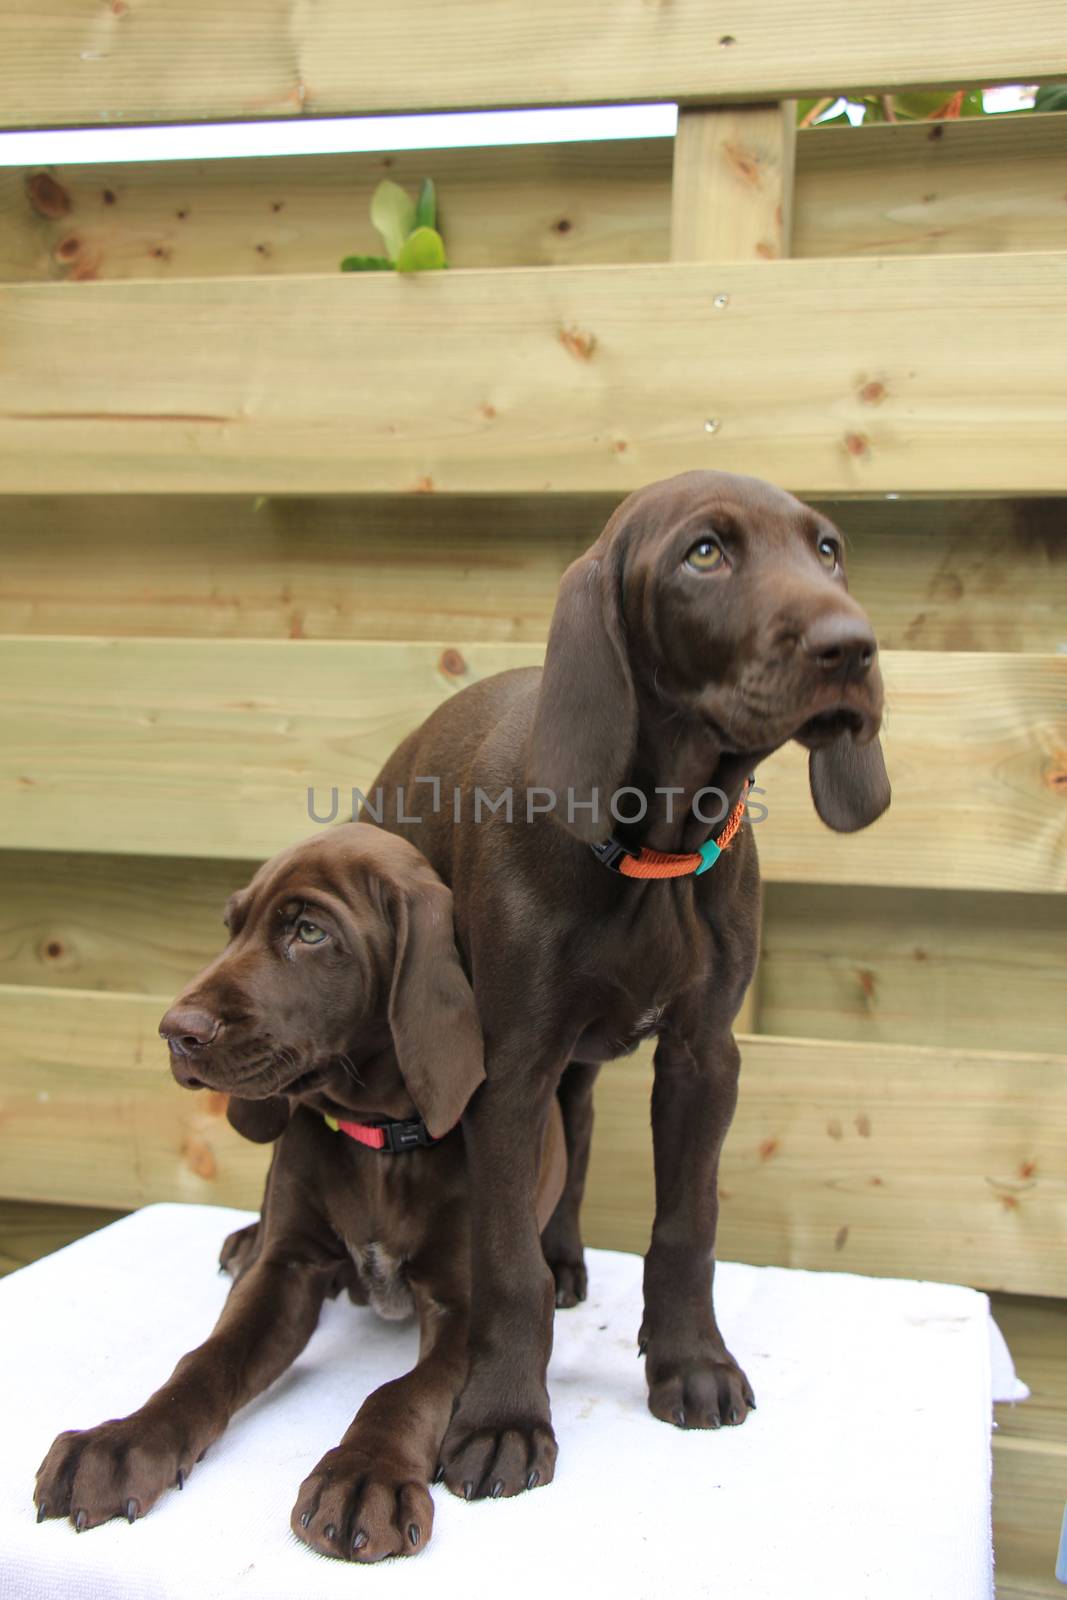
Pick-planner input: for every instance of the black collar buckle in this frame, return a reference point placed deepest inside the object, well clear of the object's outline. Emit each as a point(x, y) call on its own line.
point(400, 1136)
point(612, 852)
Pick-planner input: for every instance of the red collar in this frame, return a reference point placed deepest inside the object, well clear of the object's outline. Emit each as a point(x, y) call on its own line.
point(646, 863)
point(390, 1137)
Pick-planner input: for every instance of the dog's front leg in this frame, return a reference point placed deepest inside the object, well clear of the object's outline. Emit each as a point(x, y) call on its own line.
point(500, 1440)
point(369, 1497)
point(120, 1468)
point(693, 1379)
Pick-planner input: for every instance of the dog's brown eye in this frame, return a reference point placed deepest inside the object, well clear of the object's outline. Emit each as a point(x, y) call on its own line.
point(310, 932)
point(705, 557)
point(828, 553)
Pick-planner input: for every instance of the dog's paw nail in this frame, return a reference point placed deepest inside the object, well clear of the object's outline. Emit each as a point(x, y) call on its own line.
point(468, 1491)
point(132, 1510)
point(534, 1479)
point(42, 1512)
point(735, 1414)
point(305, 1519)
point(414, 1534)
point(642, 1348)
point(180, 1479)
point(497, 1490)
point(329, 1530)
point(439, 1474)
point(679, 1417)
point(750, 1403)
point(81, 1521)
point(362, 1538)
point(715, 1422)
point(201, 1456)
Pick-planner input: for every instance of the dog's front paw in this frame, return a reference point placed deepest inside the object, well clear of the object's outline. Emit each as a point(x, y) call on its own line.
point(706, 1389)
point(118, 1469)
point(494, 1460)
point(359, 1507)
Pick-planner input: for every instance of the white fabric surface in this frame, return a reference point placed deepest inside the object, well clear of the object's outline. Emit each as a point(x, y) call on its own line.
point(864, 1474)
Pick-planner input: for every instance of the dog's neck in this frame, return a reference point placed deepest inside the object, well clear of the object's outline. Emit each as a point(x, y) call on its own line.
point(677, 756)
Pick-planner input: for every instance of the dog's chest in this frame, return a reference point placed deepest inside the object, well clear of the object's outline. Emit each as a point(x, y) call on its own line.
point(385, 1281)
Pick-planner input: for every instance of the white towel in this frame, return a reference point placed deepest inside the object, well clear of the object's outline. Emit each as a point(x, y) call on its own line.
point(865, 1472)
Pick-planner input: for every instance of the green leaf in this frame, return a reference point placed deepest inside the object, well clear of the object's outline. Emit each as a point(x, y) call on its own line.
point(1051, 97)
point(426, 205)
point(973, 105)
point(916, 107)
point(423, 251)
point(393, 214)
point(367, 264)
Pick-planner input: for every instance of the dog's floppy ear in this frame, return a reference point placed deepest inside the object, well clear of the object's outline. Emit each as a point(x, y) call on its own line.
point(849, 783)
point(262, 1121)
point(436, 1033)
point(585, 728)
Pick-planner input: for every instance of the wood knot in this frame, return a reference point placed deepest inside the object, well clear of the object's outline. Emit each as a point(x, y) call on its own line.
point(857, 444)
point(841, 1237)
point(1056, 779)
point(768, 1148)
point(577, 343)
point(452, 664)
point(53, 950)
point(863, 1125)
point(872, 394)
point(743, 164)
point(47, 197)
point(68, 248)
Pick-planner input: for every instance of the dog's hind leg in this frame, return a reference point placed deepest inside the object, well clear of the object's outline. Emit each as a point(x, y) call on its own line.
point(562, 1239)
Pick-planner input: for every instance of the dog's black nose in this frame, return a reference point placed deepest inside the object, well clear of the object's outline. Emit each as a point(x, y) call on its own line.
point(841, 645)
point(187, 1030)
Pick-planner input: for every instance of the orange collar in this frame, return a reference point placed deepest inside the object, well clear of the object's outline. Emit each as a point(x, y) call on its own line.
point(646, 863)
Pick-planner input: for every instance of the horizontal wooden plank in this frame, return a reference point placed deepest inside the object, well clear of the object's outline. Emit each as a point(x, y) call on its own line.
point(128, 924)
point(29, 1231)
point(934, 575)
point(909, 966)
point(892, 966)
point(208, 748)
point(501, 206)
point(844, 377)
point(92, 1115)
point(185, 60)
point(975, 747)
point(983, 184)
point(869, 1159)
point(890, 1160)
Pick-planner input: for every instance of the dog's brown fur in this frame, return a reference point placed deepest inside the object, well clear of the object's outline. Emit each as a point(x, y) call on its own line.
point(374, 1021)
point(656, 675)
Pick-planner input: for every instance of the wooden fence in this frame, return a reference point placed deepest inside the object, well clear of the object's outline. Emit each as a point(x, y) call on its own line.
point(260, 517)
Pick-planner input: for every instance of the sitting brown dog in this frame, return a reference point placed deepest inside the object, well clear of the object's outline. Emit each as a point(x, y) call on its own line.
point(339, 1020)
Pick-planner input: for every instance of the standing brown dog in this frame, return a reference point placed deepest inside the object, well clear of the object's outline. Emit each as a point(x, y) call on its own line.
point(340, 995)
point(709, 624)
